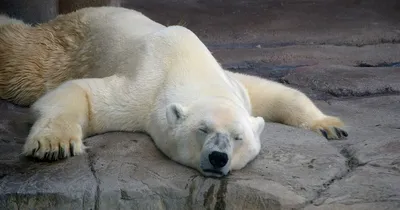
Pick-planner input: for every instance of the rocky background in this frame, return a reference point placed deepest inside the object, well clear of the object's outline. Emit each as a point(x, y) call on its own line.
point(345, 54)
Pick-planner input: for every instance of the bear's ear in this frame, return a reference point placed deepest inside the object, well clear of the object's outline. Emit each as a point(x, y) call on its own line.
point(257, 124)
point(175, 113)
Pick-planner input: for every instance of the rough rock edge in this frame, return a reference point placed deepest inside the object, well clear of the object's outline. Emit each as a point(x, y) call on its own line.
point(345, 93)
point(213, 46)
point(93, 170)
point(253, 68)
point(352, 164)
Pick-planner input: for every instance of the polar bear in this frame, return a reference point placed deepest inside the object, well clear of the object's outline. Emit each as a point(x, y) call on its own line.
point(103, 69)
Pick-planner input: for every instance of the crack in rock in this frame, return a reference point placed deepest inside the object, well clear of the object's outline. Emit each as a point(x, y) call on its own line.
point(394, 64)
point(347, 93)
point(209, 197)
point(192, 186)
point(351, 163)
point(91, 166)
point(221, 204)
point(393, 168)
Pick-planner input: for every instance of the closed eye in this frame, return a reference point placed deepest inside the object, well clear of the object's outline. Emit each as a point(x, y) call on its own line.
point(238, 138)
point(203, 130)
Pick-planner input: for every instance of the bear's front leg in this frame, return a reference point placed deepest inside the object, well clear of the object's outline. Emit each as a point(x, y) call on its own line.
point(278, 103)
point(62, 122)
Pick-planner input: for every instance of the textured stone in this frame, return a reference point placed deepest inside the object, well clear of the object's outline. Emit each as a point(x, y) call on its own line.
point(374, 123)
point(272, 23)
point(132, 172)
point(126, 171)
point(63, 185)
point(358, 206)
point(26, 184)
point(310, 55)
point(365, 184)
point(347, 81)
point(295, 168)
point(373, 155)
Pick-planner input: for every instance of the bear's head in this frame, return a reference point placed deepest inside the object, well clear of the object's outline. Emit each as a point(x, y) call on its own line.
point(214, 138)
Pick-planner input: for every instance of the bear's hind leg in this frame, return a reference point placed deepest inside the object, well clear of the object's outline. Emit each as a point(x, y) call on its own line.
point(278, 103)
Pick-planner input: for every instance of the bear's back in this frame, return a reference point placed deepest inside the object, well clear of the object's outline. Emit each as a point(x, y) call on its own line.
point(111, 34)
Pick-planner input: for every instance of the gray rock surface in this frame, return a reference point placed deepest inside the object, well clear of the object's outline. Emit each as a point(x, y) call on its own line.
point(272, 23)
point(126, 171)
point(296, 169)
point(373, 157)
point(343, 54)
point(348, 81)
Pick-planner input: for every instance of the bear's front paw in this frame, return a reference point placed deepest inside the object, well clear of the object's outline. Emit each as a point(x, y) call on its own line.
point(54, 141)
point(330, 127)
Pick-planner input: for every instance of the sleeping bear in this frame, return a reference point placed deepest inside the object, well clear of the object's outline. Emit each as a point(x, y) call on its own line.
point(106, 69)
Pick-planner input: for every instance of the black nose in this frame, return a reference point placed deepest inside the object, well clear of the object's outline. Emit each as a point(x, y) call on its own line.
point(218, 159)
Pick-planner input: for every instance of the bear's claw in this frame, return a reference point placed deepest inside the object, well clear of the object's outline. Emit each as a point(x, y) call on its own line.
point(55, 154)
point(324, 133)
point(330, 127)
point(333, 133)
point(340, 133)
point(55, 143)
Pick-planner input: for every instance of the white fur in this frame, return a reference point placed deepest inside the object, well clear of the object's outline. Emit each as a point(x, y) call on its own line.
point(166, 67)
point(163, 81)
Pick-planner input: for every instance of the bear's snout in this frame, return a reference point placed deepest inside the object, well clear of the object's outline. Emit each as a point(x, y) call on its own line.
point(218, 159)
